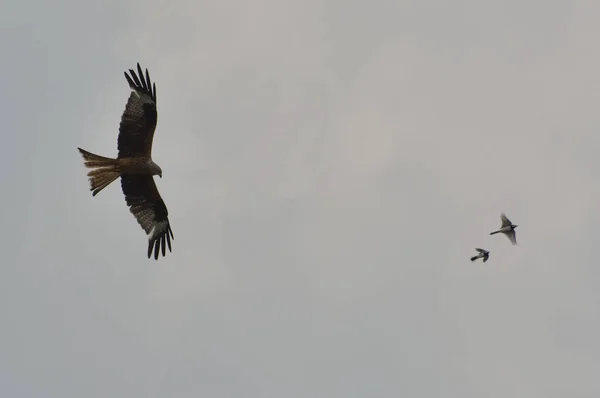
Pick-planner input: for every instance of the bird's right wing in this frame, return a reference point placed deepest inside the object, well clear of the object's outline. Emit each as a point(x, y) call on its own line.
point(149, 209)
point(480, 250)
point(505, 221)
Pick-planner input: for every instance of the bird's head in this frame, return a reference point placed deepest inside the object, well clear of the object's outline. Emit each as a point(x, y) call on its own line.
point(156, 170)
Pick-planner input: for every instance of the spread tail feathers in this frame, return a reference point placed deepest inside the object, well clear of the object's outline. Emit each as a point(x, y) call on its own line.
point(105, 170)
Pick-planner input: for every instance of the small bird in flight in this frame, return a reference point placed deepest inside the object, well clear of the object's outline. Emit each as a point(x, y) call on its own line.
point(508, 229)
point(484, 254)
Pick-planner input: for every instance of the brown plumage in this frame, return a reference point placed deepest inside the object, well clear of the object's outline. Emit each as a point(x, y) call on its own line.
point(134, 164)
point(105, 170)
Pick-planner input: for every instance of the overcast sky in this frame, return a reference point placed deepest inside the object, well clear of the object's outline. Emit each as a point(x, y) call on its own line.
point(329, 167)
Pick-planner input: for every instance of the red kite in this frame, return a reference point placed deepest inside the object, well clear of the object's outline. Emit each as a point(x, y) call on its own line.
point(134, 164)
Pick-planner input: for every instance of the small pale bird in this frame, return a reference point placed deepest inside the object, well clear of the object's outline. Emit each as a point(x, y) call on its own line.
point(508, 229)
point(484, 254)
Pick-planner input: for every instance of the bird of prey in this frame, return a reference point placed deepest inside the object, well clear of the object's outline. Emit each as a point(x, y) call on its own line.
point(134, 164)
point(508, 229)
point(484, 254)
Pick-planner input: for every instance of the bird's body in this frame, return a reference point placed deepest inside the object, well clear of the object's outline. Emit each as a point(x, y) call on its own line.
point(508, 229)
point(140, 165)
point(484, 254)
point(134, 164)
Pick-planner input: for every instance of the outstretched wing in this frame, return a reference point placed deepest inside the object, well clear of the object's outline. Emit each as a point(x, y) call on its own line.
point(505, 221)
point(480, 250)
point(147, 206)
point(512, 235)
point(138, 122)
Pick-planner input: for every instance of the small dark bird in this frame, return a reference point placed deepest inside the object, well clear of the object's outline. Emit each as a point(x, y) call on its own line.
point(484, 254)
point(508, 229)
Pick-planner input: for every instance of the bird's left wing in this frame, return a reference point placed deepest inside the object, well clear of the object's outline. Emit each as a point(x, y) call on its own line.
point(512, 235)
point(150, 210)
point(139, 118)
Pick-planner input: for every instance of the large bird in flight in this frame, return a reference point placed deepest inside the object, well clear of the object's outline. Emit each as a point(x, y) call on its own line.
point(134, 164)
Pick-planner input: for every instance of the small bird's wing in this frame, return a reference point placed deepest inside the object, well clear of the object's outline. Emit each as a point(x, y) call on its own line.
point(512, 236)
point(480, 250)
point(485, 258)
point(505, 221)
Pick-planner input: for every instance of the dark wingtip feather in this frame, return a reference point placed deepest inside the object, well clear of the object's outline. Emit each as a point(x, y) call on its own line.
point(135, 79)
point(156, 249)
point(160, 244)
point(141, 76)
point(148, 82)
point(169, 240)
point(129, 81)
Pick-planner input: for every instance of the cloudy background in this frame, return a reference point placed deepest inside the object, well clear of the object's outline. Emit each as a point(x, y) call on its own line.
point(329, 167)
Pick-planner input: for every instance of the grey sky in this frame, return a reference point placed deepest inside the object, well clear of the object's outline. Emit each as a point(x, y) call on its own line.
point(329, 167)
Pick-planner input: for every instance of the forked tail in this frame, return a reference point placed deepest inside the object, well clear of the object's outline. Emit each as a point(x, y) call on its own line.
point(105, 170)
